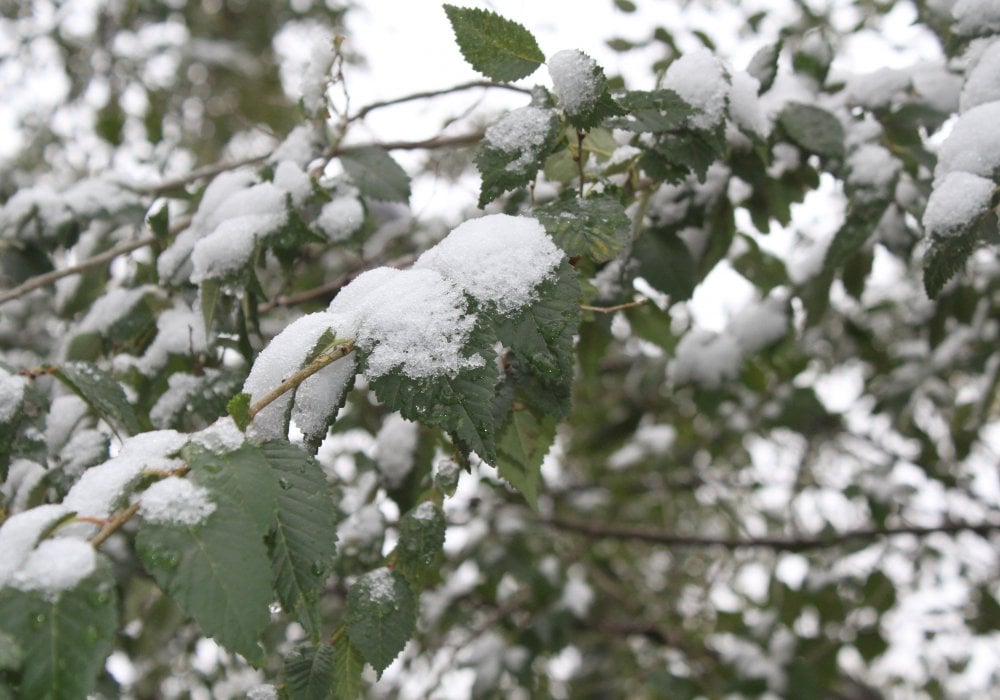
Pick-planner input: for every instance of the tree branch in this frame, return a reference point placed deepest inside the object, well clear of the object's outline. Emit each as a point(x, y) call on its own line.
point(344, 347)
point(612, 309)
point(199, 173)
point(779, 543)
point(114, 524)
point(435, 93)
point(432, 143)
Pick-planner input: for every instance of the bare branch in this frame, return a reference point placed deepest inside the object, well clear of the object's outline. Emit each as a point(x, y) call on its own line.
point(207, 171)
point(338, 351)
point(611, 309)
point(114, 525)
point(435, 93)
point(779, 543)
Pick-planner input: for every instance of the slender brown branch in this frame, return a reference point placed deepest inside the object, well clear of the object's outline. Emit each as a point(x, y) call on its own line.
point(432, 143)
point(198, 174)
point(338, 351)
point(90, 263)
point(781, 543)
point(435, 93)
point(612, 309)
point(114, 525)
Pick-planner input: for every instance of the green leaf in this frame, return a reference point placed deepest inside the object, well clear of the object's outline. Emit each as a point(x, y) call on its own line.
point(63, 640)
point(303, 543)
point(381, 616)
point(217, 572)
point(666, 263)
point(496, 47)
point(421, 536)
point(676, 154)
point(376, 174)
point(653, 112)
point(849, 239)
point(159, 223)
point(764, 65)
point(243, 476)
point(239, 408)
point(603, 106)
point(101, 392)
point(460, 404)
point(503, 171)
point(347, 667)
point(813, 128)
point(209, 293)
point(309, 672)
point(11, 653)
point(541, 333)
point(596, 227)
point(946, 255)
point(524, 441)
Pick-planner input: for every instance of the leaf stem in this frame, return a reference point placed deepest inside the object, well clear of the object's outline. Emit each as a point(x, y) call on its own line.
point(340, 348)
point(114, 524)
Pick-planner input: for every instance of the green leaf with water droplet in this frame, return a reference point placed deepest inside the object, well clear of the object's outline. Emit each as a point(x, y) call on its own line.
point(101, 392)
point(242, 476)
point(216, 571)
point(303, 541)
point(63, 640)
point(421, 536)
point(381, 616)
point(495, 46)
point(596, 227)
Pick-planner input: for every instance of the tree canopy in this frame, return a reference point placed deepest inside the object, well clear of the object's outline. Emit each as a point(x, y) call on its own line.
point(268, 431)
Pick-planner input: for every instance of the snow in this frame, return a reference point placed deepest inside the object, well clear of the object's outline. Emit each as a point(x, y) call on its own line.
point(315, 79)
point(878, 89)
point(744, 105)
point(521, 132)
point(299, 146)
point(574, 80)
point(957, 200)
point(700, 80)
point(425, 512)
point(288, 176)
point(221, 436)
point(265, 691)
point(350, 299)
point(973, 145)
point(114, 305)
point(340, 218)
point(228, 249)
point(381, 585)
point(101, 488)
point(759, 324)
point(874, 168)
point(181, 386)
point(498, 259)
point(937, 87)
point(395, 445)
point(19, 534)
point(976, 17)
point(706, 358)
point(11, 394)
point(649, 440)
point(318, 397)
point(361, 527)
point(982, 83)
point(179, 331)
point(175, 501)
point(23, 476)
point(283, 356)
point(85, 449)
point(56, 566)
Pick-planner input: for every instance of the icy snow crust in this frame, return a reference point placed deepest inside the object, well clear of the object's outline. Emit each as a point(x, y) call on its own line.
point(976, 17)
point(521, 132)
point(56, 566)
point(19, 534)
point(175, 501)
point(974, 143)
point(574, 80)
point(700, 80)
point(956, 201)
point(982, 84)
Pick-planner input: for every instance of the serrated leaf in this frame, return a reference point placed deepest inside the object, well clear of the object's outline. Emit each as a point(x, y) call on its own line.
point(347, 667)
point(381, 616)
point(495, 46)
point(216, 571)
point(303, 543)
point(376, 174)
point(653, 112)
point(603, 106)
point(64, 640)
point(101, 392)
point(239, 409)
point(945, 258)
point(849, 239)
point(596, 227)
point(460, 404)
point(813, 128)
point(421, 536)
point(523, 442)
point(676, 154)
point(309, 672)
point(504, 170)
point(764, 65)
point(666, 263)
point(243, 476)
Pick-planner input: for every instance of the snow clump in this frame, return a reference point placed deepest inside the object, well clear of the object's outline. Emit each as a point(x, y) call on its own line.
point(175, 501)
point(973, 146)
point(55, 566)
point(957, 200)
point(706, 358)
point(700, 80)
point(11, 394)
point(521, 132)
point(395, 445)
point(19, 534)
point(575, 80)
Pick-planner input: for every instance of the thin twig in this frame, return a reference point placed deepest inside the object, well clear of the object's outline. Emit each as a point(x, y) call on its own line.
point(435, 93)
point(612, 309)
point(344, 347)
point(432, 143)
point(198, 174)
point(780, 543)
point(114, 525)
point(90, 263)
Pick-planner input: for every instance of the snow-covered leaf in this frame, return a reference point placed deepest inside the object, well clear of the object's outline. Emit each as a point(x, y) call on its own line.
point(764, 65)
point(381, 616)
point(513, 149)
point(495, 46)
point(101, 392)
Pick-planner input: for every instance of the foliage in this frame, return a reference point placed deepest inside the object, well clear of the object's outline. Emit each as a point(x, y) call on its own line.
point(290, 442)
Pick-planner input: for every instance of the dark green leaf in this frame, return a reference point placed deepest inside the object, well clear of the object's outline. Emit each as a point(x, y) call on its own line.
point(159, 223)
point(813, 128)
point(855, 232)
point(421, 536)
point(381, 616)
point(376, 174)
point(870, 643)
point(101, 392)
point(946, 255)
point(524, 441)
point(63, 640)
point(208, 298)
point(347, 667)
point(243, 476)
point(625, 5)
point(654, 112)
point(217, 572)
point(239, 408)
point(679, 153)
point(503, 171)
point(309, 672)
point(496, 47)
point(303, 543)
point(764, 65)
point(666, 263)
point(11, 653)
point(596, 227)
